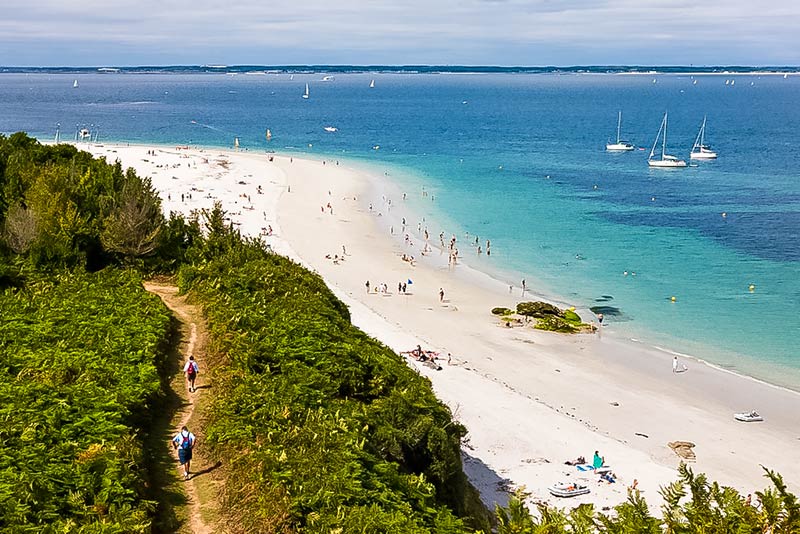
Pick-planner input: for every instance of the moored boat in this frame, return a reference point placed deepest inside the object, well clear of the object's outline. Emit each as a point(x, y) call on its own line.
point(666, 161)
point(568, 490)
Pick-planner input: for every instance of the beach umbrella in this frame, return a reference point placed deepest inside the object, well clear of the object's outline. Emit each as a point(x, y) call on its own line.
point(410, 282)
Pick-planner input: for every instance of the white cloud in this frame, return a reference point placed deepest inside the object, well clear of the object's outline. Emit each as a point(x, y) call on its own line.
point(417, 31)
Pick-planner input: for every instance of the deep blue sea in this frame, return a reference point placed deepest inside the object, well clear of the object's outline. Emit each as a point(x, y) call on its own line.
point(520, 159)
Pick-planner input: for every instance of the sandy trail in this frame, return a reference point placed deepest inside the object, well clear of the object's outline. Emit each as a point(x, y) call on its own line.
point(193, 340)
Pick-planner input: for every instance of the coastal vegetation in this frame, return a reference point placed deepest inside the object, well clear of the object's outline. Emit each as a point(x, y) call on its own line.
point(545, 316)
point(317, 426)
point(691, 504)
point(80, 362)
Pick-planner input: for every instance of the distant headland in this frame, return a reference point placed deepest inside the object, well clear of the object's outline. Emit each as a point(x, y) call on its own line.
point(412, 69)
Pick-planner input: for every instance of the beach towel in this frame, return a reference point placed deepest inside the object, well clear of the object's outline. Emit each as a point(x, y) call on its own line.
point(585, 467)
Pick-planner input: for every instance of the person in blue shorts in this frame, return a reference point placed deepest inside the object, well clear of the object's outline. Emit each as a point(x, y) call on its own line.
point(184, 442)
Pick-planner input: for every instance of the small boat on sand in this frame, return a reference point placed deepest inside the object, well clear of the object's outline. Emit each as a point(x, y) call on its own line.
point(568, 490)
point(749, 417)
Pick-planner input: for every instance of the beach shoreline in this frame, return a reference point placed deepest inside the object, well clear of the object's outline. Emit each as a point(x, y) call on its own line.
point(530, 400)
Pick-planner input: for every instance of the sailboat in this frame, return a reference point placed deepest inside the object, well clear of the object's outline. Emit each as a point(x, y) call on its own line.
point(236, 143)
point(700, 150)
point(58, 133)
point(619, 145)
point(305, 95)
point(75, 83)
point(269, 135)
point(372, 84)
point(666, 161)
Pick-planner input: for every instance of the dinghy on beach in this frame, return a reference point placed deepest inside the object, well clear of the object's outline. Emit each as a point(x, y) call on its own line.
point(749, 417)
point(568, 490)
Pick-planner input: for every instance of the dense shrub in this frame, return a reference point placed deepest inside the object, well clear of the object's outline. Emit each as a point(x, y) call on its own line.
point(538, 309)
point(79, 368)
point(502, 311)
point(323, 427)
point(60, 207)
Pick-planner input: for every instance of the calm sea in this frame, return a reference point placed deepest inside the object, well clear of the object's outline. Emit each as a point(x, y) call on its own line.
point(520, 159)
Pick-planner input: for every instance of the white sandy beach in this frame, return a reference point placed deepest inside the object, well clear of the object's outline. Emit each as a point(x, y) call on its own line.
point(530, 400)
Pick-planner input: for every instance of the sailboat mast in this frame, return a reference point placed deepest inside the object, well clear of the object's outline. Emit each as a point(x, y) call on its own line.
point(703, 133)
point(664, 141)
point(619, 124)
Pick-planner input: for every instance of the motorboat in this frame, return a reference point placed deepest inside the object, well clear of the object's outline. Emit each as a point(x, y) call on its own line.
point(568, 490)
point(749, 417)
point(331, 129)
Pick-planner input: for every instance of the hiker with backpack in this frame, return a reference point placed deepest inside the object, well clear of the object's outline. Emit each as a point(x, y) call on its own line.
point(190, 369)
point(184, 442)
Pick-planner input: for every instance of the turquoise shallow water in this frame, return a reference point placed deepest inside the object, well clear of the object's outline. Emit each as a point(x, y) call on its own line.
point(520, 160)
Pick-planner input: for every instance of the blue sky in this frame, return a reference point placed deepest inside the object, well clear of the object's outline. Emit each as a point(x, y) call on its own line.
point(475, 32)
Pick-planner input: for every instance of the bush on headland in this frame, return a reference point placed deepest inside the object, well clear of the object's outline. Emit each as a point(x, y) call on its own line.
point(322, 427)
point(80, 358)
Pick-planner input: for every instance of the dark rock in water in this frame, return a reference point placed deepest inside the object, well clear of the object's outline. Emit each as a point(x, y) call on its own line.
point(604, 298)
point(609, 311)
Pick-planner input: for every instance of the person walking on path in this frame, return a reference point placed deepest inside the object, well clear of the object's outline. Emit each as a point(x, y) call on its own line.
point(184, 442)
point(191, 369)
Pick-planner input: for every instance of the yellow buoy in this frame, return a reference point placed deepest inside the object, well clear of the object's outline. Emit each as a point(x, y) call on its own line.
point(673, 299)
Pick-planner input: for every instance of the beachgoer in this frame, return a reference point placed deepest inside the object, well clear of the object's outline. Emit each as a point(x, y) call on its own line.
point(600, 318)
point(367, 286)
point(523, 286)
point(344, 251)
point(441, 295)
point(598, 460)
point(675, 364)
point(191, 369)
point(404, 288)
point(184, 442)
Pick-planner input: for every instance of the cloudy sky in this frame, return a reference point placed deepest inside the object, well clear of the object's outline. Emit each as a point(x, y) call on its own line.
point(474, 32)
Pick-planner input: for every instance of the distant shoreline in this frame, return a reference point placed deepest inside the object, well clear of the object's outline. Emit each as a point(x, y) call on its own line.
point(404, 69)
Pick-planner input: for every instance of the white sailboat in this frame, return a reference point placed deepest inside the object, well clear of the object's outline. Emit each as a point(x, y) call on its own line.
point(305, 95)
point(666, 161)
point(372, 84)
point(700, 150)
point(75, 83)
point(269, 135)
point(619, 146)
point(236, 143)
